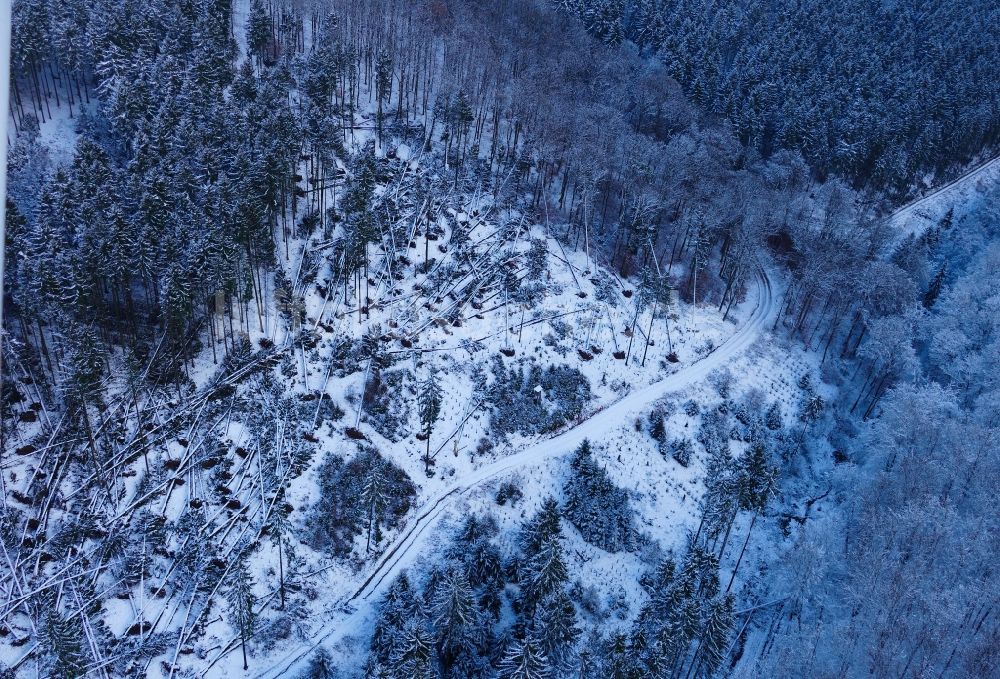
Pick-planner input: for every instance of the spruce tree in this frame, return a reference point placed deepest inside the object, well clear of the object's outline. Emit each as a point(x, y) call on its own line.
point(656, 427)
point(713, 637)
point(241, 605)
point(429, 404)
point(456, 616)
point(934, 289)
point(596, 506)
point(543, 573)
point(62, 641)
point(415, 653)
point(773, 417)
point(556, 629)
point(373, 497)
point(524, 660)
point(399, 607)
point(321, 666)
point(757, 483)
point(258, 30)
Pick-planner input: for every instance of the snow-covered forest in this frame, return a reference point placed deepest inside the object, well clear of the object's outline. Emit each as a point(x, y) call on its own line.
point(526, 339)
point(890, 95)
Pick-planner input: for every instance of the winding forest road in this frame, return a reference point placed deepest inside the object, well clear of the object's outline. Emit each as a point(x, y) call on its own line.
point(409, 545)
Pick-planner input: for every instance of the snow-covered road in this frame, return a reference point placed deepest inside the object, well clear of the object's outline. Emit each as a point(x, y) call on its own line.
point(919, 214)
point(359, 609)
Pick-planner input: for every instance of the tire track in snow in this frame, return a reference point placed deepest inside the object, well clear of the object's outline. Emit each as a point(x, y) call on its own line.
point(407, 547)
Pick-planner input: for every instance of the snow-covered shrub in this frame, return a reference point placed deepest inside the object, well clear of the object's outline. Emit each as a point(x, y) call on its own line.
point(681, 450)
point(691, 408)
point(722, 380)
point(509, 491)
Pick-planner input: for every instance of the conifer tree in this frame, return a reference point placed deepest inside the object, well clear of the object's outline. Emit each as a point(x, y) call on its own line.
point(373, 495)
point(398, 608)
point(241, 605)
point(63, 644)
point(321, 666)
point(544, 573)
point(415, 654)
point(556, 629)
point(258, 30)
point(758, 482)
point(712, 645)
point(543, 526)
point(524, 660)
point(934, 289)
point(656, 427)
point(773, 417)
point(598, 508)
point(429, 405)
point(457, 618)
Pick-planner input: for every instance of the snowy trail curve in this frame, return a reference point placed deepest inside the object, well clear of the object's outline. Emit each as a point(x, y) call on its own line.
point(408, 546)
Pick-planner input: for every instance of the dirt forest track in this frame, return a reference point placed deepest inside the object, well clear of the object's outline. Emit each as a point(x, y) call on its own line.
point(409, 545)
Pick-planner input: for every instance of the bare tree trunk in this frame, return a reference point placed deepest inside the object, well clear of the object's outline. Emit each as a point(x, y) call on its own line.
point(742, 552)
